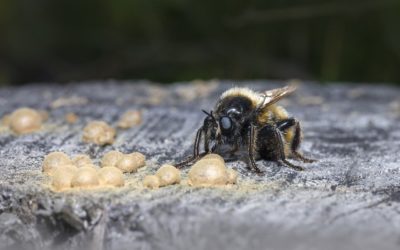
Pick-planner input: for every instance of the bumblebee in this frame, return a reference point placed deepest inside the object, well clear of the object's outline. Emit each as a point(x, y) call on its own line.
point(249, 120)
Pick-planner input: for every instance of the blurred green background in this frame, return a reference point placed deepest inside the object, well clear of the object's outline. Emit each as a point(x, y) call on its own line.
point(175, 40)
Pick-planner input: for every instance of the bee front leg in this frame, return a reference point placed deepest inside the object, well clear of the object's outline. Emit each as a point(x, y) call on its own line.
point(196, 148)
point(207, 142)
point(251, 149)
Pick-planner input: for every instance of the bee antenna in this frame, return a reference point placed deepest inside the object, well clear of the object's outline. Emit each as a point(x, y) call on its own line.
point(205, 112)
point(212, 116)
point(209, 114)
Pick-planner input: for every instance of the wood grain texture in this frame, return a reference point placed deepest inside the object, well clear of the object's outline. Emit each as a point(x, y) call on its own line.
point(349, 199)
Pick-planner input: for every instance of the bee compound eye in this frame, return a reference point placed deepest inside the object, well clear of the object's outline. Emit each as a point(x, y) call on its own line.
point(226, 123)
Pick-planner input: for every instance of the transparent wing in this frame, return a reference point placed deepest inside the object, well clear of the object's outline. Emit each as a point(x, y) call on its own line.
point(274, 95)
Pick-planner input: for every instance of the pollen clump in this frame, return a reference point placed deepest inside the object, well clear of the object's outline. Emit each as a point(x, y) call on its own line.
point(68, 168)
point(62, 177)
point(111, 158)
point(91, 165)
point(25, 120)
point(111, 176)
point(215, 157)
point(81, 160)
point(168, 175)
point(6, 120)
point(80, 172)
point(232, 176)
point(139, 158)
point(98, 132)
point(211, 171)
point(55, 160)
point(151, 181)
point(129, 119)
point(128, 163)
point(71, 118)
point(85, 177)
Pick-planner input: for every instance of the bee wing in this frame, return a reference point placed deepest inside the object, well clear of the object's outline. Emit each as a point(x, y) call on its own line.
point(274, 95)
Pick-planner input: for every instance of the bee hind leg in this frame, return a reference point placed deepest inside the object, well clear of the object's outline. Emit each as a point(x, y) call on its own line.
point(290, 165)
point(271, 146)
point(295, 143)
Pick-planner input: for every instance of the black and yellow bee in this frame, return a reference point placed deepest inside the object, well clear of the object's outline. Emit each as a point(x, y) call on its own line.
point(243, 118)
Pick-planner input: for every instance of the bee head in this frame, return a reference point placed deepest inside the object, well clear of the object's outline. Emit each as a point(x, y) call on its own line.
point(230, 120)
point(225, 123)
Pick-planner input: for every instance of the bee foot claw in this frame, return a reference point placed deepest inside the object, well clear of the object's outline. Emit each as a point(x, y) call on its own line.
point(260, 173)
point(290, 165)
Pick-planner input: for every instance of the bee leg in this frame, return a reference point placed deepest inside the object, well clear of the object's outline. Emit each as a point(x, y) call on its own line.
point(196, 149)
point(291, 165)
point(282, 158)
point(296, 143)
point(207, 143)
point(232, 159)
point(292, 122)
point(232, 154)
point(272, 146)
point(251, 149)
point(234, 149)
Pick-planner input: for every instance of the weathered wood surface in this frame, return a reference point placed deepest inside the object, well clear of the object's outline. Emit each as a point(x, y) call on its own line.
point(349, 199)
